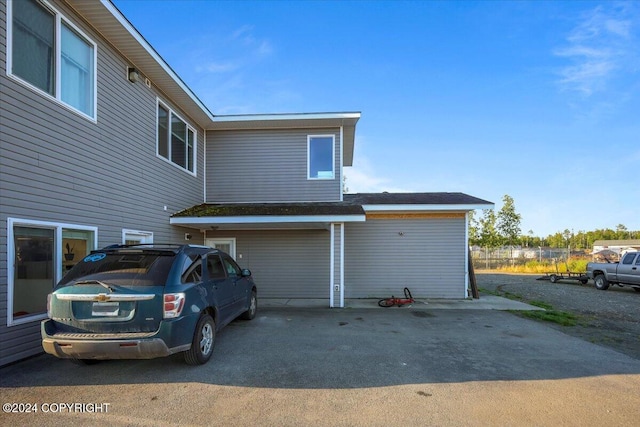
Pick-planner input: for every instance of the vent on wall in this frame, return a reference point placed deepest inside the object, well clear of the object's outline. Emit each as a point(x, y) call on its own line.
point(147, 82)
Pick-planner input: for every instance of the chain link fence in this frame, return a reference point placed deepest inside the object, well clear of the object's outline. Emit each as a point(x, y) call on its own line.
point(491, 259)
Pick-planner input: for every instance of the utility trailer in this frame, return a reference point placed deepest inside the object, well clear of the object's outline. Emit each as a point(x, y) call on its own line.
point(567, 275)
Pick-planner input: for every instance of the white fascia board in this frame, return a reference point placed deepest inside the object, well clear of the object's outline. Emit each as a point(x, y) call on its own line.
point(292, 116)
point(151, 51)
point(266, 219)
point(424, 208)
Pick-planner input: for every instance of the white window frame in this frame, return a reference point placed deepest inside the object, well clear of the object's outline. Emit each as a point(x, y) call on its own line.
point(167, 159)
point(223, 240)
point(333, 157)
point(57, 227)
point(59, 19)
point(145, 236)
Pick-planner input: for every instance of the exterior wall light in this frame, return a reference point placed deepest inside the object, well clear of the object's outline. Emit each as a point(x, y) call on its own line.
point(132, 74)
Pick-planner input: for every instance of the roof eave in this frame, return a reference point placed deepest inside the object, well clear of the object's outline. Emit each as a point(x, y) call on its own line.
point(105, 17)
point(264, 219)
point(233, 121)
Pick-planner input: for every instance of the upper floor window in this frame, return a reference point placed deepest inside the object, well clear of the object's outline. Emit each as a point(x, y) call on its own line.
point(176, 139)
point(320, 156)
point(52, 55)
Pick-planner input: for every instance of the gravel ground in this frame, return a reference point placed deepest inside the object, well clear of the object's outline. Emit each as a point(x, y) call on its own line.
point(609, 318)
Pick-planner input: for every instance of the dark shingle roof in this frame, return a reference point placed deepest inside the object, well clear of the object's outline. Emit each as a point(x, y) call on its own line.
point(414, 199)
point(352, 205)
point(271, 209)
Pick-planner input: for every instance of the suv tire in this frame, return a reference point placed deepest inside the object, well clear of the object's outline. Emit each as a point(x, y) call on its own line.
point(253, 307)
point(204, 339)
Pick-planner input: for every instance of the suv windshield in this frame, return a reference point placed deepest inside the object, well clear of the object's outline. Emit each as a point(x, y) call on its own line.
point(127, 268)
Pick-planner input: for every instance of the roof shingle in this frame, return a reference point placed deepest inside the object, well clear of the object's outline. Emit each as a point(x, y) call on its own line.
point(414, 199)
point(271, 209)
point(352, 205)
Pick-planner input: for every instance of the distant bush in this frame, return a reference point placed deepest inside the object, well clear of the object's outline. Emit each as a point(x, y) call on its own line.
point(577, 265)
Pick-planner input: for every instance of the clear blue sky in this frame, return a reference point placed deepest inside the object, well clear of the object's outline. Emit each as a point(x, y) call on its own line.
point(539, 100)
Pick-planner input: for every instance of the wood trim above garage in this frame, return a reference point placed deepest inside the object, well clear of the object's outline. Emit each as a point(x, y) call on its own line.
point(415, 215)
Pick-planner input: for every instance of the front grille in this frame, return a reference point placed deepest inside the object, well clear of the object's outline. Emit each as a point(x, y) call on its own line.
point(93, 336)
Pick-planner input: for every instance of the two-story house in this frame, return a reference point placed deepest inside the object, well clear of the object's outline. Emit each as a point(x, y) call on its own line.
point(101, 142)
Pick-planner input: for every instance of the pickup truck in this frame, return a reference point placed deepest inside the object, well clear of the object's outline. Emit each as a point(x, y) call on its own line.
point(626, 272)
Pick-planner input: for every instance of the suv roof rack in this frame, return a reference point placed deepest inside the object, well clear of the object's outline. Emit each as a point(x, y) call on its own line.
point(153, 245)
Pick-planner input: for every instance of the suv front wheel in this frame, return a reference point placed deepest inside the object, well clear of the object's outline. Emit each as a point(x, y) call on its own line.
point(204, 339)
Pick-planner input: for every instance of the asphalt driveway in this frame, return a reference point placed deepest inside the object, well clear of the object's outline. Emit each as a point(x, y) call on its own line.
point(301, 366)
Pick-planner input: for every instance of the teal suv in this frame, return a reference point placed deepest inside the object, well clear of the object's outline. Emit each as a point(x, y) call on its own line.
point(146, 301)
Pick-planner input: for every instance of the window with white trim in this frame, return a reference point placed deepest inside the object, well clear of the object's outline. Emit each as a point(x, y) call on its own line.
point(175, 139)
point(226, 244)
point(320, 156)
point(135, 237)
point(40, 253)
point(52, 55)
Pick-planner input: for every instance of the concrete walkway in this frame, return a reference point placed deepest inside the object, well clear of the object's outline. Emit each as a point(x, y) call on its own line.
point(488, 302)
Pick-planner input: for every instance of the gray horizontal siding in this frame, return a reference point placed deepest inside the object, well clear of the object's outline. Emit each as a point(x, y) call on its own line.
point(429, 258)
point(3, 225)
point(266, 166)
point(284, 263)
point(57, 166)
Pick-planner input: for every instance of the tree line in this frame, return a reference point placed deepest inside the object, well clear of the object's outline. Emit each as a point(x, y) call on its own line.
point(495, 229)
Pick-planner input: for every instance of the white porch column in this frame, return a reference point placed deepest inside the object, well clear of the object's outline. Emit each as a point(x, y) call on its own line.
point(336, 261)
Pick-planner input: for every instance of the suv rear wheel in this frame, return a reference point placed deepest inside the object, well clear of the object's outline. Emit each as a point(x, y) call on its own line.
point(204, 339)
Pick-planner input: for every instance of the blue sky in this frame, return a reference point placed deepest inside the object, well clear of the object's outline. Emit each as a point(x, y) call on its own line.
point(538, 100)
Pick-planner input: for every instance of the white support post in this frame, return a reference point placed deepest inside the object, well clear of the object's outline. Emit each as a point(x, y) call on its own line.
point(331, 264)
point(342, 265)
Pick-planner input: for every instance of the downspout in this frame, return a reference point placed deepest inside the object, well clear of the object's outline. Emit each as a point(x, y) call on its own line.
point(341, 224)
point(204, 170)
point(204, 183)
point(341, 162)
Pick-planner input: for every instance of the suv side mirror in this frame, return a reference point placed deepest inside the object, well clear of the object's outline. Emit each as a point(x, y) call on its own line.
point(245, 272)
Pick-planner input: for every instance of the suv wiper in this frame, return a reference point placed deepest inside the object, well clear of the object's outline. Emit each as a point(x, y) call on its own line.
point(94, 282)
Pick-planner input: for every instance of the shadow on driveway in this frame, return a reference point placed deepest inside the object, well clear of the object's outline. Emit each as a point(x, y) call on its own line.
point(354, 348)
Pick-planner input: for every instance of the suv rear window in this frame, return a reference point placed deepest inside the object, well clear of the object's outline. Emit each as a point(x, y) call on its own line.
point(123, 268)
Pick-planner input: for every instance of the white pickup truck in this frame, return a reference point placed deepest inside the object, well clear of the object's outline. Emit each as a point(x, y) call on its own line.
point(623, 273)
